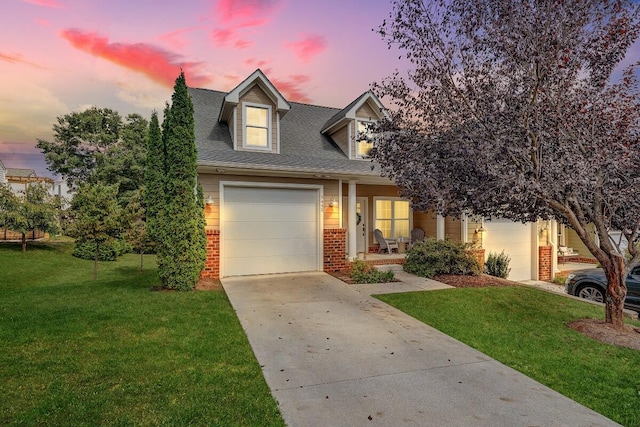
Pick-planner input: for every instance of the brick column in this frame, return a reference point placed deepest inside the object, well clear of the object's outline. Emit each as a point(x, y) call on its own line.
point(478, 254)
point(545, 263)
point(212, 264)
point(335, 249)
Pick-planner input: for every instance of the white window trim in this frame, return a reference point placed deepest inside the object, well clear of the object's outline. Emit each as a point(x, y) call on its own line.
point(244, 127)
point(356, 140)
point(393, 218)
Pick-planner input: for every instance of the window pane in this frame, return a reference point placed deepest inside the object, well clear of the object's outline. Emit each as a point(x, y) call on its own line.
point(257, 137)
point(257, 116)
point(385, 226)
point(401, 228)
point(401, 209)
point(364, 147)
point(383, 209)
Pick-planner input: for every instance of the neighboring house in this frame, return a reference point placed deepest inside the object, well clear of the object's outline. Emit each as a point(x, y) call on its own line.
point(3, 173)
point(18, 179)
point(289, 189)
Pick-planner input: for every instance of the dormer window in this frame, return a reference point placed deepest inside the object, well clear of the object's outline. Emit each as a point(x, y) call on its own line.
point(257, 126)
point(363, 142)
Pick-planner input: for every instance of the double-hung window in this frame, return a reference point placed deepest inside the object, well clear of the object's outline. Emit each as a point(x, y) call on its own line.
point(257, 126)
point(392, 217)
point(363, 142)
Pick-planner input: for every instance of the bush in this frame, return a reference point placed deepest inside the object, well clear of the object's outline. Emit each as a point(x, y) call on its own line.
point(497, 265)
point(361, 272)
point(107, 252)
point(432, 257)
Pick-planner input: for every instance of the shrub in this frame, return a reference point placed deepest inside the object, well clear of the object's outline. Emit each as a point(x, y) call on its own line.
point(432, 257)
point(361, 272)
point(497, 265)
point(108, 251)
point(560, 280)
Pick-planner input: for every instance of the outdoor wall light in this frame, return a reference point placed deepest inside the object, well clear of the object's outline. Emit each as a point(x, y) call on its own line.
point(210, 201)
point(333, 203)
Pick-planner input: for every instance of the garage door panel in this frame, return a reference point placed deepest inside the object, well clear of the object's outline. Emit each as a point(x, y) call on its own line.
point(270, 247)
point(515, 239)
point(267, 212)
point(269, 230)
point(269, 265)
point(272, 230)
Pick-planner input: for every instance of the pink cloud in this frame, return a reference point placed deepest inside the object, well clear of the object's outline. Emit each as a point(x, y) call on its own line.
point(243, 10)
point(253, 62)
point(291, 88)
point(242, 44)
point(235, 15)
point(45, 3)
point(221, 36)
point(18, 59)
point(175, 38)
point(308, 46)
point(154, 62)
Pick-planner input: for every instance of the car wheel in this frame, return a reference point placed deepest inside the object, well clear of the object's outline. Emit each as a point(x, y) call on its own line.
point(591, 293)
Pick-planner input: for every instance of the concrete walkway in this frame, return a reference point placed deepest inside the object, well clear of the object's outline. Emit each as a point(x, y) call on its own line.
point(335, 356)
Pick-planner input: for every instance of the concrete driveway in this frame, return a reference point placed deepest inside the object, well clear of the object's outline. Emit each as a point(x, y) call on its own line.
point(335, 356)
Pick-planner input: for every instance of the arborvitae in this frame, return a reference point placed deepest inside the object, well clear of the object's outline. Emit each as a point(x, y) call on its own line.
point(181, 218)
point(154, 176)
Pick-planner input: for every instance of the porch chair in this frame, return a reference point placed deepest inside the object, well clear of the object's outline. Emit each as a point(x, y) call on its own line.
point(385, 244)
point(417, 235)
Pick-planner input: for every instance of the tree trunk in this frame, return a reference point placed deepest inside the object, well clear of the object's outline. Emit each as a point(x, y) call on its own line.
point(24, 242)
point(141, 259)
point(95, 263)
point(616, 291)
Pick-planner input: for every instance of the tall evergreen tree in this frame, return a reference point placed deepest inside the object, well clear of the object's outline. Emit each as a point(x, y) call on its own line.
point(154, 174)
point(178, 220)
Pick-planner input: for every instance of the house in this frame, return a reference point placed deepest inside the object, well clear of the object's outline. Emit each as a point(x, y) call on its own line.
point(3, 173)
point(289, 188)
point(18, 179)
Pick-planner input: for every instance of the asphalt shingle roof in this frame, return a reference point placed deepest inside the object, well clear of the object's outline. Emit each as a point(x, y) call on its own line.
point(20, 173)
point(302, 146)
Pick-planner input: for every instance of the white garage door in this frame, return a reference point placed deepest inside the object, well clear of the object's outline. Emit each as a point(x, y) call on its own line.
point(269, 230)
point(515, 239)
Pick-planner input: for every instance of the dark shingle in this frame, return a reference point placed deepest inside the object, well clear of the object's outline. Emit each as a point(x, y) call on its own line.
point(302, 145)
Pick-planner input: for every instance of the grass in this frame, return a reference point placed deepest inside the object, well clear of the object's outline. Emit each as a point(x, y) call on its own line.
point(112, 352)
point(525, 329)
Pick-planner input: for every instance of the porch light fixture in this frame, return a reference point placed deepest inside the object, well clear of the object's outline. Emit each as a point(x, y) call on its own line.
point(210, 200)
point(333, 203)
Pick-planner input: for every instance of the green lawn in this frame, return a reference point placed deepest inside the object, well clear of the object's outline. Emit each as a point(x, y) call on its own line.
point(112, 352)
point(525, 328)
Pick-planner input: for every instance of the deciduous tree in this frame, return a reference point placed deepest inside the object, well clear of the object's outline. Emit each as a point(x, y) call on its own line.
point(511, 109)
point(34, 210)
point(96, 217)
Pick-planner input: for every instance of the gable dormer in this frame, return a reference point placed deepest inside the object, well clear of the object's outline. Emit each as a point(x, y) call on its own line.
point(349, 124)
point(253, 110)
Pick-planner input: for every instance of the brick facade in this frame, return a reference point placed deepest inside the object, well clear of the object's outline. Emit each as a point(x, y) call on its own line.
point(335, 249)
point(212, 264)
point(478, 254)
point(545, 263)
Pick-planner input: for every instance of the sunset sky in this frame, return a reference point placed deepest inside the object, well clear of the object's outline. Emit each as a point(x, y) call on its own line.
point(60, 56)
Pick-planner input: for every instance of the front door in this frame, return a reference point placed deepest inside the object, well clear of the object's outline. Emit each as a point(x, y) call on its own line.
point(361, 222)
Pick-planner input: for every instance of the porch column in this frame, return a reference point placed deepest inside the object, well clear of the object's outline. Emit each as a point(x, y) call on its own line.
point(464, 232)
point(352, 233)
point(440, 227)
point(553, 241)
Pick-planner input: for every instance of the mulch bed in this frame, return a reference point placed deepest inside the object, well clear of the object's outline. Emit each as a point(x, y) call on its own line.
point(480, 281)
